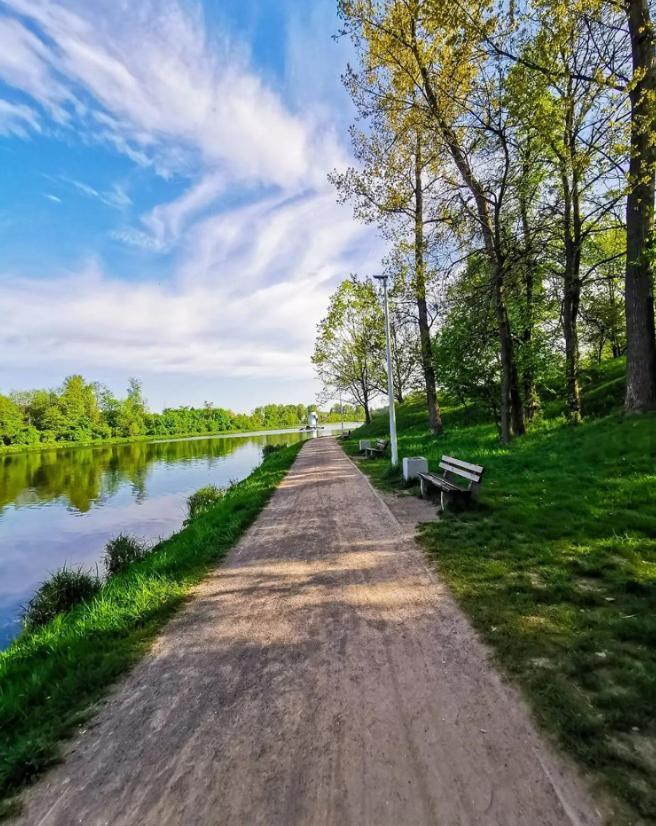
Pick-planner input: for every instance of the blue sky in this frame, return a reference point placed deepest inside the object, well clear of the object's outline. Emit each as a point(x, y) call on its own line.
point(164, 210)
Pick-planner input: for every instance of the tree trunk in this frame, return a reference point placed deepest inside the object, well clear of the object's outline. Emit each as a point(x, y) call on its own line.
point(639, 295)
point(512, 411)
point(570, 333)
point(572, 270)
point(531, 398)
point(434, 416)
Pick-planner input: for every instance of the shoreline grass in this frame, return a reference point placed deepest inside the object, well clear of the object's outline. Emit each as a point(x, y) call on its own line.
point(556, 569)
point(51, 678)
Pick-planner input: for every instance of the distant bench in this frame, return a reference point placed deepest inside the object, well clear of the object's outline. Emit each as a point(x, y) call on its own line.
point(463, 488)
point(378, 449)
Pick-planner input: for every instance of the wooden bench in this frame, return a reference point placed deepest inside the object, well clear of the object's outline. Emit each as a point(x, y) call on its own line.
point(460, 481)
point(378, 449)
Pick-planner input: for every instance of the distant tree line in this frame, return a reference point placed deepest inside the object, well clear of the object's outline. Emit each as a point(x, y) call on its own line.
point(82, 411)
point(507, 152)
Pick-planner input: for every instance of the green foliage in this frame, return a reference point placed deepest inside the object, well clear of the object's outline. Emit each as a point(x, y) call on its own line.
point(62, 591)
point(267, 450)
point(86, 412)
point(203, 499)
point(350, 345)
point(557, 569)
point(61, 669)
point(121, 552)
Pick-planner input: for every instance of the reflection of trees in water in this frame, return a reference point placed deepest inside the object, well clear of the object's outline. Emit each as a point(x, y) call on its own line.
point(84, 476)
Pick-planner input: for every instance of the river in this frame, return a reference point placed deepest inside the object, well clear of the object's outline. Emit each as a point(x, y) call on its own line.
point(61, 506)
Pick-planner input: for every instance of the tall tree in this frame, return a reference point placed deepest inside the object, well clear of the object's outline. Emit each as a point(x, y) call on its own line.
point(391, 188)
point(349, 349)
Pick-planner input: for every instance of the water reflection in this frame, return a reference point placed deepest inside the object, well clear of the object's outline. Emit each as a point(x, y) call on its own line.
point(61, 506)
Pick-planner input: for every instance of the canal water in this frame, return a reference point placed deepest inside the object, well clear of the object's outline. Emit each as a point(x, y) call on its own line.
point(61, 506)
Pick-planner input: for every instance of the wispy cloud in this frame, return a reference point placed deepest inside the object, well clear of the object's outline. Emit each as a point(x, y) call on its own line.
point(137, 238)
point(18, 119)
point(244, 300)
point(55, 198)
point(115, 197)
point(142, 80)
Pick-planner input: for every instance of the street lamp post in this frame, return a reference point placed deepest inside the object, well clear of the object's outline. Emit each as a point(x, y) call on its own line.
point(390, 379)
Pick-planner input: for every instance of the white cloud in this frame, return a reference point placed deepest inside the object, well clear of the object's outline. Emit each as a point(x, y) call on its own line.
point(136, 238)
point(17, 119)
point(55, 198)
point(115, 197)
point(166, 221)
point(219, 315)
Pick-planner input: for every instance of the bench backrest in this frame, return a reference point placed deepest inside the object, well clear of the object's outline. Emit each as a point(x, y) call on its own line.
point(465, 470)
point(381, 444)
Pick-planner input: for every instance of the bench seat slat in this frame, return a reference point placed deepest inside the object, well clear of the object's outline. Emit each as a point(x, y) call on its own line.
point(464, 465)
point(441, 482)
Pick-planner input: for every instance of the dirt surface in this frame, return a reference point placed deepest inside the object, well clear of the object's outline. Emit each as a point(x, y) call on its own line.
point(322, 675)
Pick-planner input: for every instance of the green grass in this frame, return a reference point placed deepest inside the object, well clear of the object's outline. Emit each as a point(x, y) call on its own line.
point(557, 570)
point(50, 679)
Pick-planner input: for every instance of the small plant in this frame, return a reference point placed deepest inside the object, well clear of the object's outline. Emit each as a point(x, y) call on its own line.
point(203, 499)
point(267, 450)
point(122, 551)
point(65, 589)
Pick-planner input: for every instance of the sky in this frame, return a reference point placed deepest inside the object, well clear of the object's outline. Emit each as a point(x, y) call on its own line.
point(164, 207)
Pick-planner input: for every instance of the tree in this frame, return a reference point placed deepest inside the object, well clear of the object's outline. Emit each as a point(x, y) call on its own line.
point(391, 188)
point(131, 414)
point(11, 421)
point(349, 349)
point(640, 238)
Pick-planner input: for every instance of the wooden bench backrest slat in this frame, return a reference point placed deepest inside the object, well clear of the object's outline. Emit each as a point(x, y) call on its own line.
point(473, 477)
point(464, 465)
point(381, 444)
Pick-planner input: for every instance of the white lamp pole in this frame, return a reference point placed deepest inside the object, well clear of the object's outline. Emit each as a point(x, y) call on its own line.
point(390, 379)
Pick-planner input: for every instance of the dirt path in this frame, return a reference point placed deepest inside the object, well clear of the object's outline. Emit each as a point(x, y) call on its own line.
point(322, 675)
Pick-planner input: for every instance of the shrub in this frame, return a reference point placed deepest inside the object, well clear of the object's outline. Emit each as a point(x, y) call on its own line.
point(65, 589)
point(203, 499)
point(267, 450)
point(122, 551)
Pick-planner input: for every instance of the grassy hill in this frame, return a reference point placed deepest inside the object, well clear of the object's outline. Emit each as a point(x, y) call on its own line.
point(556, 568)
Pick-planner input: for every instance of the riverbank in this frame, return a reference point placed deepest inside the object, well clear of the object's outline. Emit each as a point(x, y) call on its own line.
point(52, 678)
point(9, 450)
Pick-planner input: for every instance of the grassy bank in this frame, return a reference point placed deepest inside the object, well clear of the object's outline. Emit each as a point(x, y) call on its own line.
point(557, 569)
point(50, 679)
